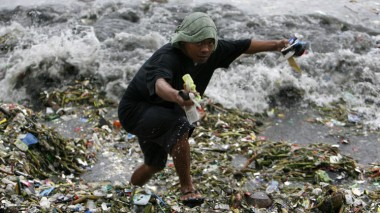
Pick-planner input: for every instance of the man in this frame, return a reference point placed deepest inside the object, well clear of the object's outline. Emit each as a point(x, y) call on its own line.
point(152, 107)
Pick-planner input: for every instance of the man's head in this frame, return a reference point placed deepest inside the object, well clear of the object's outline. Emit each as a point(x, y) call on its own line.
point(196, 36)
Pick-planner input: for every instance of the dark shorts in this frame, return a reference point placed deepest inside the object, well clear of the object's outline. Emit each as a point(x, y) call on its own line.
point(158, 129)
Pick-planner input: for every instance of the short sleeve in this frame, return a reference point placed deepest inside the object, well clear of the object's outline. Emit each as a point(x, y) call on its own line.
point(158, 68)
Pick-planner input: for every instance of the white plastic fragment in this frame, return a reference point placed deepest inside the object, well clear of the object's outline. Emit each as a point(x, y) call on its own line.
point(45, 203)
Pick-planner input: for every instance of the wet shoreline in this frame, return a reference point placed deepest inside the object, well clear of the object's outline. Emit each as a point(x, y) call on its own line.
point(231, 157)
point(299, 125)
point(295, 125)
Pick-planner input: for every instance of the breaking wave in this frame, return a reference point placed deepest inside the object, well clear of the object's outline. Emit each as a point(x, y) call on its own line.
point(43, 47)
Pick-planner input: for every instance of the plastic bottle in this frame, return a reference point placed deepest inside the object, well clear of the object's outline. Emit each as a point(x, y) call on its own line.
point(272, 187)
point(192, 113)
point(91, 206)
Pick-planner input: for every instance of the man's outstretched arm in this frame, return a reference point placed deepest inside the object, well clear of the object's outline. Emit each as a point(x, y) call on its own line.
point(264, 46)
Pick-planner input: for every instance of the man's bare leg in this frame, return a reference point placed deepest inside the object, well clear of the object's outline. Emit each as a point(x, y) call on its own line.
point(181, 158)
point(143, 174)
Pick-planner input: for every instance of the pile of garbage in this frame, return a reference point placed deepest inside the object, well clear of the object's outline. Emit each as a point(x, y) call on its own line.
point(235, 169)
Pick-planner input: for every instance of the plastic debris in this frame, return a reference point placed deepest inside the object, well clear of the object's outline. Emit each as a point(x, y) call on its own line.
point(141, 199)
point(235, 168)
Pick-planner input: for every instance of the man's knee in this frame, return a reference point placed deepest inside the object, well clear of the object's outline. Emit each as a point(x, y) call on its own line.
point(151, 170)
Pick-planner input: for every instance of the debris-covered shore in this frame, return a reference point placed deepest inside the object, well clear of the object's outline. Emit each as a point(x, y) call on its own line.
point(234, 168)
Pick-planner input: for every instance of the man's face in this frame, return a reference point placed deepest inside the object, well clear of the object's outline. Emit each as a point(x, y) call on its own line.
point(199, 52)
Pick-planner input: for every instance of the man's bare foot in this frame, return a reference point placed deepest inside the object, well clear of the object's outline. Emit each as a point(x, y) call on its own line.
point(192, 198)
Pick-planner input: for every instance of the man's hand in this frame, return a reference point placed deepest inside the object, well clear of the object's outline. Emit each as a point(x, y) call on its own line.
point(281, 44)
point(183, 98)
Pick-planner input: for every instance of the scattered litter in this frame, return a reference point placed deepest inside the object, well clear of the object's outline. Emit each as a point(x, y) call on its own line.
point(234, 169)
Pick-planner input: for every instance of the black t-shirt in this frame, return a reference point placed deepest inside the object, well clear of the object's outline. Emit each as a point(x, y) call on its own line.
point(171, 64)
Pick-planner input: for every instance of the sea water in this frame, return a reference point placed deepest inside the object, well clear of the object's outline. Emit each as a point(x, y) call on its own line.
point(44, 43)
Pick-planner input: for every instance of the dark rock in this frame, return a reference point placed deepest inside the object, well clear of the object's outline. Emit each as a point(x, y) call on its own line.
point(259, 200)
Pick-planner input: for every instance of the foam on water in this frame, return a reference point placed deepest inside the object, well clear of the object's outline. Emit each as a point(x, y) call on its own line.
point(113, 40)
point(46, 48)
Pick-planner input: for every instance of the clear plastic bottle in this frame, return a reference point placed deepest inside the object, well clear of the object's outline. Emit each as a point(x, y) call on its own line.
point(272, 187)
point(192, 113)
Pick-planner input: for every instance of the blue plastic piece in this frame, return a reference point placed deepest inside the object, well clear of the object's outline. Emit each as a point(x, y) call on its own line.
point(30, 139)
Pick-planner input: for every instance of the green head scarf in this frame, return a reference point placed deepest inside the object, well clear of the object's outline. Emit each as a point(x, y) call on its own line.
point(195, 27)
